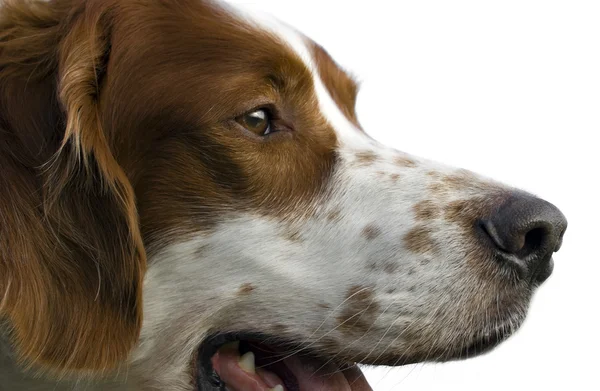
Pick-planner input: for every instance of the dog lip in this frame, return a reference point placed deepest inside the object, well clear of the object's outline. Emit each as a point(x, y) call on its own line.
point(204, 372)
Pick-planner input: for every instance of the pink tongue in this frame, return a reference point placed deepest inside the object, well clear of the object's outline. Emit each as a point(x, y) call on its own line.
point(329, 378)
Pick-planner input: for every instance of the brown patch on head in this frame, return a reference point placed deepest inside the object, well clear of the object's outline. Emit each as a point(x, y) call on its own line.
point(173, 89)
point(419, 240)
point(359, 310)
point(342, 88)
point(245, 289)
point(426, 210)
point(366, 158)
point(371, 231)
point(403, 161)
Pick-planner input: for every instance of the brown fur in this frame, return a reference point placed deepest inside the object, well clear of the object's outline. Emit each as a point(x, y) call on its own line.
point(71, 255)
point(245, 289)
point(404, 162)
point(359, 311)
point(110, 110)
point(366, 158)
point(341, 86)
point(371, 231)
point(426, 210)
point(419, 240)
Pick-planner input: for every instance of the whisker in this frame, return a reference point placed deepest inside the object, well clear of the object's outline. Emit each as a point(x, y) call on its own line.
point(364, 334)
point(304, 348)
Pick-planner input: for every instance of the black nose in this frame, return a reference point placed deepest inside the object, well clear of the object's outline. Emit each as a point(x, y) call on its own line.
point(526, 231)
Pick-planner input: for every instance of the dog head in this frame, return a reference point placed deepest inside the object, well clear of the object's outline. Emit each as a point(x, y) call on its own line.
point(268, 214)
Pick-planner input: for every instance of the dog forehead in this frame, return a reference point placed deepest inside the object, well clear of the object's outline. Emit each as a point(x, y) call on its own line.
point(305, 49)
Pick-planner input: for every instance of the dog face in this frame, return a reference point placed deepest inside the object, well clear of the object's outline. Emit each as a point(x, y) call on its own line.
point(270, 216)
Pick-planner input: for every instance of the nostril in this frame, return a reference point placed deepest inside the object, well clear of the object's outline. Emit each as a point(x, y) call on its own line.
point(521, 245)
point(533, 242)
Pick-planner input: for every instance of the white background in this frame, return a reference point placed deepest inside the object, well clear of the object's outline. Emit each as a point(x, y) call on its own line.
point(510, 89)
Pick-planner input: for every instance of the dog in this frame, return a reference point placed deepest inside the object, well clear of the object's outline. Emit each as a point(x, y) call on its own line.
point(189, 202)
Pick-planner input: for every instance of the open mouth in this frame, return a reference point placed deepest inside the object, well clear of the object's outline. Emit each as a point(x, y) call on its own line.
point(250, 362)
point(256, 362)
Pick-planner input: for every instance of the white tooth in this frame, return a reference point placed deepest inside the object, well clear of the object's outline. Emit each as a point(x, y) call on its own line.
point(278, 387)
point(247, 362)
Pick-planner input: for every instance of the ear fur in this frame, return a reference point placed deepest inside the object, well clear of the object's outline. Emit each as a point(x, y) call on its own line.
point(71, 254)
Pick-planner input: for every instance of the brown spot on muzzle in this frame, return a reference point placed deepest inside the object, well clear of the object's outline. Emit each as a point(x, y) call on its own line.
point(402, 161)
point(390, 267)
point(366, 158)
point(359, 310)
point(334, 215)
point(460, 212)
point(460, 180)
point(371, 231)
point(419, 240)
point(426, 210)
point(466, 213)
point(245, 289)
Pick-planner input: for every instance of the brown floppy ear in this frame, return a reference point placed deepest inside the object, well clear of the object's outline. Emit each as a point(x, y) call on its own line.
point(71, 255)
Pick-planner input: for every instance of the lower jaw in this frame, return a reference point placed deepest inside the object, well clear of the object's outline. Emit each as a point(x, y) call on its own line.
point(245, 362)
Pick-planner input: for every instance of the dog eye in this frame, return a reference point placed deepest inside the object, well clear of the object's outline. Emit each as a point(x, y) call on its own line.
point(257, 121)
